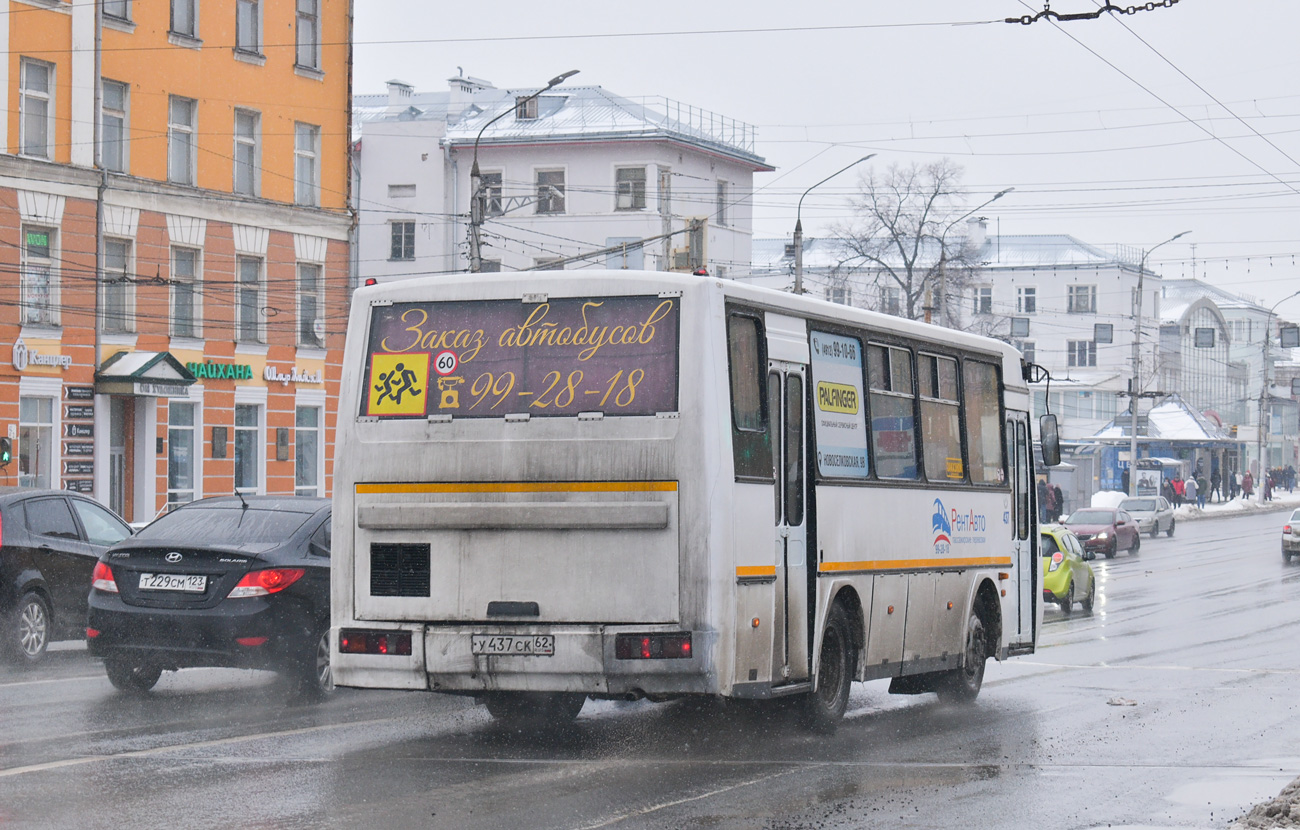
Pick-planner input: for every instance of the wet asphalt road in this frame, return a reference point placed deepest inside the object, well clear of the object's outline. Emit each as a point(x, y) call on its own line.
point(1201, 631)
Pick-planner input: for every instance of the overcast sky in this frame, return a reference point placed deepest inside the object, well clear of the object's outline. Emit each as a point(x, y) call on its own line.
point(1126, 129)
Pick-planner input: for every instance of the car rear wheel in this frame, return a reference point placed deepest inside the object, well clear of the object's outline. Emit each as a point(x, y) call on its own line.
point(1067, 603)
point(30, 628)
point(1170, 531)
point(132, 677)
point(1088, 601)
point(1137, 544)
point(312, 677)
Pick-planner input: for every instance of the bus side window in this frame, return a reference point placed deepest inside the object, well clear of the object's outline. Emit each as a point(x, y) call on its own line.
point(983, 440)
point(893, 419)
point(751, 441)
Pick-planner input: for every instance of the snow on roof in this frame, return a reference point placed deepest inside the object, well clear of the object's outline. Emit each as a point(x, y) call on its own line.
point(1171, 420)
point(1042, 251)
point(1188, 291)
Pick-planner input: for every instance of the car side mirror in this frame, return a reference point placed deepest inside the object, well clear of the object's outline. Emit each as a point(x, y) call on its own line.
point(1089, 555)
point(1050, 440)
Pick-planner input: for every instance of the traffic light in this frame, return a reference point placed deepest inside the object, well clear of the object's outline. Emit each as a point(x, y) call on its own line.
point(6, 451)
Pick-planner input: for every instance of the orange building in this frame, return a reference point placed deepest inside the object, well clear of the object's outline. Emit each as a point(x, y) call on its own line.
point(174, 239)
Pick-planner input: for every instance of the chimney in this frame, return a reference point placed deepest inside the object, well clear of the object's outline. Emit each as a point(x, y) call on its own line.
point(977, 232)
point(463, 91)
point(399, 96)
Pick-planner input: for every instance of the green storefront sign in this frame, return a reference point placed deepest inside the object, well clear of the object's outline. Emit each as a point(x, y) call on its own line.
point(209, 370)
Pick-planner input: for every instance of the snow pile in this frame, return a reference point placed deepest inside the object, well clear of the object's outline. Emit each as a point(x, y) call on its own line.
point(1107, 499)
point(1281, 812)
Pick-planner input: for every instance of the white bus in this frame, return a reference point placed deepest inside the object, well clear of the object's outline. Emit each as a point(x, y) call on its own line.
point(558, 485)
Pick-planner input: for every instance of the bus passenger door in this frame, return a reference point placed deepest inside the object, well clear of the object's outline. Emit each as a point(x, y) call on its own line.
point(785, 395)
point(1022, 635)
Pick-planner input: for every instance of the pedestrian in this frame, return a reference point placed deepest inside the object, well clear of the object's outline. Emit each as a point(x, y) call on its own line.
point(1167, 490)
point(1268, 487)
point(1216, 483)
point(1059, 499)
point(1202, 490)
point(1180, 491)
point(1190, 490)
point(1042, 501)
point(1053, 509)
point(1124, 479)
point(1290, 478)
point(1247, 485)
point(1236, 483)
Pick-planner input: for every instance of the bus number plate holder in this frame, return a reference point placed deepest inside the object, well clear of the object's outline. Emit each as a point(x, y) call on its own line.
point(534, 645)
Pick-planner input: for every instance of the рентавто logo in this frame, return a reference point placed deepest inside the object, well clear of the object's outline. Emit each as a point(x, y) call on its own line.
point(942, 529)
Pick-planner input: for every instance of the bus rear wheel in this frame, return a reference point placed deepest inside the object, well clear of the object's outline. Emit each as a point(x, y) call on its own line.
point(963, 684)
point(534, 710)
point(825, 705)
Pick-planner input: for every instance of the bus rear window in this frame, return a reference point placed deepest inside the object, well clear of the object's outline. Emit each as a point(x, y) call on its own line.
point(492, 358)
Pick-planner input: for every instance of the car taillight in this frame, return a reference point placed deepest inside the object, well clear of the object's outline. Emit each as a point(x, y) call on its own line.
point(1057, 559)
point(102, 578)
point(261, 583)
point(1287, 529)
point(653, 646)
point(352, 641)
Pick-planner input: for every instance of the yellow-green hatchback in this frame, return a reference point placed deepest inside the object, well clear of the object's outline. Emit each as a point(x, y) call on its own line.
point(1067, 576)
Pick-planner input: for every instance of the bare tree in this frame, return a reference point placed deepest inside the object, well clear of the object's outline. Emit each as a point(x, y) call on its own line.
point(901, 243)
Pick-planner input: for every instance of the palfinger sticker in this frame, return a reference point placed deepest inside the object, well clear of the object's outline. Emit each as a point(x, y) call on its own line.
point(399, 384)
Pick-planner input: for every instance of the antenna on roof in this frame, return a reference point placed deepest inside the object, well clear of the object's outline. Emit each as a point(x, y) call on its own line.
point(241, 499)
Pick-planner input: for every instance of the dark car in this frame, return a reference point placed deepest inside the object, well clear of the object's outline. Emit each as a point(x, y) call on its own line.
point(1105, 530)
point(49, 543)
point(241, 582)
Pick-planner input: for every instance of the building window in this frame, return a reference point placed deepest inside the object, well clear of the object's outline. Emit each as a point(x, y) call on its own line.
point(248, 129)
point(526, 108)
point(118, 293)
point(306, 174)
point(1027, 299)
point(308, 34)
point(629, 183)
point(182, 114)
point(841, 294)
point(35, 108)
point(120, 9)
point(113, 127)
point(1083, 299)
point(36, 448)
point(248, 26)
point(185, 17)
point(1027, 350)
point(721, 213)
point(890, 302)
point(1082, 352)
point(249, 322)
point(490, 194)
point(308, 426)
point(550, 191)
point(39, 289)
point(181, 458)
point(311, 299)
point(248, 461)
point(403, 246)
point(185, 296)
point(401, 191)
point(983, 295)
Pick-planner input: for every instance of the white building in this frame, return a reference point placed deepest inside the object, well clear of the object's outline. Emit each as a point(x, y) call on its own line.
point(577, 176)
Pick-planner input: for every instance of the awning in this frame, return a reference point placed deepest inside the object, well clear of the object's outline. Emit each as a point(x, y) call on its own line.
point(153, 374)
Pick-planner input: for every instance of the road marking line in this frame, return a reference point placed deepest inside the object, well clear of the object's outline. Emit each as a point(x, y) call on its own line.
point(158, 750)
point(666, 804)
point(1154, 668)
point(50, 680)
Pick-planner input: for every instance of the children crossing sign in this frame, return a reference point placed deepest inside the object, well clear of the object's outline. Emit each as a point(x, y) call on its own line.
point(399, 384)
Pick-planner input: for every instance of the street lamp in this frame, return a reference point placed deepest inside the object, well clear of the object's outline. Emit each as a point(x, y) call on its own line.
point(1263, 391)
point(943, 253)
point(1137, 366)
point(798, 224)
point(476, 181)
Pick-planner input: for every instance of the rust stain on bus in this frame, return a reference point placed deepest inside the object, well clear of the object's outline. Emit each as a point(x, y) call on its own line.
point(896, 564)
point(521, 487)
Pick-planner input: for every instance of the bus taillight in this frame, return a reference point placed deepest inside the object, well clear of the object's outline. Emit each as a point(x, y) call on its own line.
point(653, 646)
point(352, 641)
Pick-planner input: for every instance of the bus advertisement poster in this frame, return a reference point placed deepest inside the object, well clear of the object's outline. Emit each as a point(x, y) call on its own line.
point(841, 421)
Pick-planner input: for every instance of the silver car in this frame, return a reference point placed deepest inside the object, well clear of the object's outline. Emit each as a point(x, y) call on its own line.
point(1152, 514)
point(1291, 537)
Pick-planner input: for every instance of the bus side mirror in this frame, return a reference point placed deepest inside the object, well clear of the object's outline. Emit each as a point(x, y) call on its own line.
point(1050, 439)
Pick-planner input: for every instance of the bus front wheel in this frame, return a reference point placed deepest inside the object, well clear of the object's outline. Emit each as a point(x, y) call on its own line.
point(963, 684)
point(824, 706)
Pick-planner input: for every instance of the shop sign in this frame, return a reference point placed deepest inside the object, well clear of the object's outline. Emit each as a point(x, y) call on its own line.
point(79, 393)
point(79, 430)
point(78, 468)
point(162, 390)
point(294, 375)
point(209, 370)
point(78, 448)
point(79, 485)
point(79, 413)
point(24, 357)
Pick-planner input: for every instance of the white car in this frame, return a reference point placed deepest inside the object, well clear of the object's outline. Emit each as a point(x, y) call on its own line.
point(1291, 537)
point(1152, 513)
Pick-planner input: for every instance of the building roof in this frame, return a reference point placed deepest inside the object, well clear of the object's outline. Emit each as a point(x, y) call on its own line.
point(1042, 251)
point(563, 114)
point(1171, 420)
point(1187, 291)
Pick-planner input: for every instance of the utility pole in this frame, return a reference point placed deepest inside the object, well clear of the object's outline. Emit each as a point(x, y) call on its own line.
point(1136, 391)
point(941, 302)
point(1263, 393)
point(476, 206)
point(798, 224)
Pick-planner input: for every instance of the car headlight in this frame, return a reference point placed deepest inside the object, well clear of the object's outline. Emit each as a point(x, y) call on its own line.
point(1103, 535)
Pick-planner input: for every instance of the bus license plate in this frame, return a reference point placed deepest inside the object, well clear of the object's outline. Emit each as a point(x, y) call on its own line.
point(189, 583)
point(537, 645)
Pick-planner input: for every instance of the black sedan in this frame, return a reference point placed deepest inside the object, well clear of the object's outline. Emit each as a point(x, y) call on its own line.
point(235, 581)
point(49, 543)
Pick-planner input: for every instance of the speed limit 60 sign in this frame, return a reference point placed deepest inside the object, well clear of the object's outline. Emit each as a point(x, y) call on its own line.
point(445, 362)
